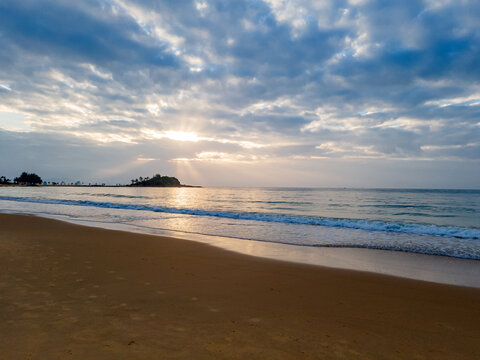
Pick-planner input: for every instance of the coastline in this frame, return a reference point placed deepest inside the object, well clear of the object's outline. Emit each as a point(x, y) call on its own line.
point(60, 186)
point(416, 266)
point(70, 291)
point(356, 219)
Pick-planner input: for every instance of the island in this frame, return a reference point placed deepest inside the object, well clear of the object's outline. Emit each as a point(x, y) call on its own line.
point(158, 181)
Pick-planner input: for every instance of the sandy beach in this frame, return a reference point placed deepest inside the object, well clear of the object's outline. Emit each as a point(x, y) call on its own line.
point(74, 292)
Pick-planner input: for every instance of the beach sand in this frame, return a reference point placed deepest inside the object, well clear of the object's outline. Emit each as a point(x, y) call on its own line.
point(73, 292)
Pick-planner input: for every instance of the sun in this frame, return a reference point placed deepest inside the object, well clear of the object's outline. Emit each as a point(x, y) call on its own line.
point(181, 136)
point(173, 135)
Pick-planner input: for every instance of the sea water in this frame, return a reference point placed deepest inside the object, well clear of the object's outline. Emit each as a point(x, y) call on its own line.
point(440, 222)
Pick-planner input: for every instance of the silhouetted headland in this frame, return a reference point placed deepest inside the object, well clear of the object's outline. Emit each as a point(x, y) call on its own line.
point(32, 179)
point(158, 181)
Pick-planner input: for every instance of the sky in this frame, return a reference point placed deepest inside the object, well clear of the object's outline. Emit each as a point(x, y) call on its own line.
point(353, 93)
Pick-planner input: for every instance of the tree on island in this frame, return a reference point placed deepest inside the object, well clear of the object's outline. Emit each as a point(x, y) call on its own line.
point(28, 179)
point(156, 180)
point(4, 180)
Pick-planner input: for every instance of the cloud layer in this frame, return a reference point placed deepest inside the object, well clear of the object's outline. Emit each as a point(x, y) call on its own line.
point(215, 84)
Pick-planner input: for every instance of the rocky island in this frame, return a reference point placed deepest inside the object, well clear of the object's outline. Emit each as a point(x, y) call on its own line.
point(158, 181)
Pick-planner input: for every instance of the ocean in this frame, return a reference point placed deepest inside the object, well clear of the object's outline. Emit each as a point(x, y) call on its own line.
point(439, 222)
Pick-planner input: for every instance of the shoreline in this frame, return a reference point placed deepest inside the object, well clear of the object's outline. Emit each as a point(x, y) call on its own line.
point(102, 186)
point(269, 187)
point(439, 269)
point(70, 291)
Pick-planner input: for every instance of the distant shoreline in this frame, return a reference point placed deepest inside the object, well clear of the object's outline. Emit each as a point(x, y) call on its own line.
point(103, 186)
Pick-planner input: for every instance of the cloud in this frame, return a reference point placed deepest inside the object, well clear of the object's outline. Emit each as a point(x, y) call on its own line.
point(254, 81)
point(78, 32)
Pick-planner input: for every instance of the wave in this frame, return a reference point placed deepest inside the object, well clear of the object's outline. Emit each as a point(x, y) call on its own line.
point(422, 247)
point(369, 225)
point(115, 196)
point(423, 215)
point(396, 206)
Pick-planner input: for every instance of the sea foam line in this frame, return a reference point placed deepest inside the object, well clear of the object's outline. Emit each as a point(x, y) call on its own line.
point(369, 225)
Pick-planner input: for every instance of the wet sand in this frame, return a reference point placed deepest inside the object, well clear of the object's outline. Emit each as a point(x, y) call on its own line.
point(73, 292)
